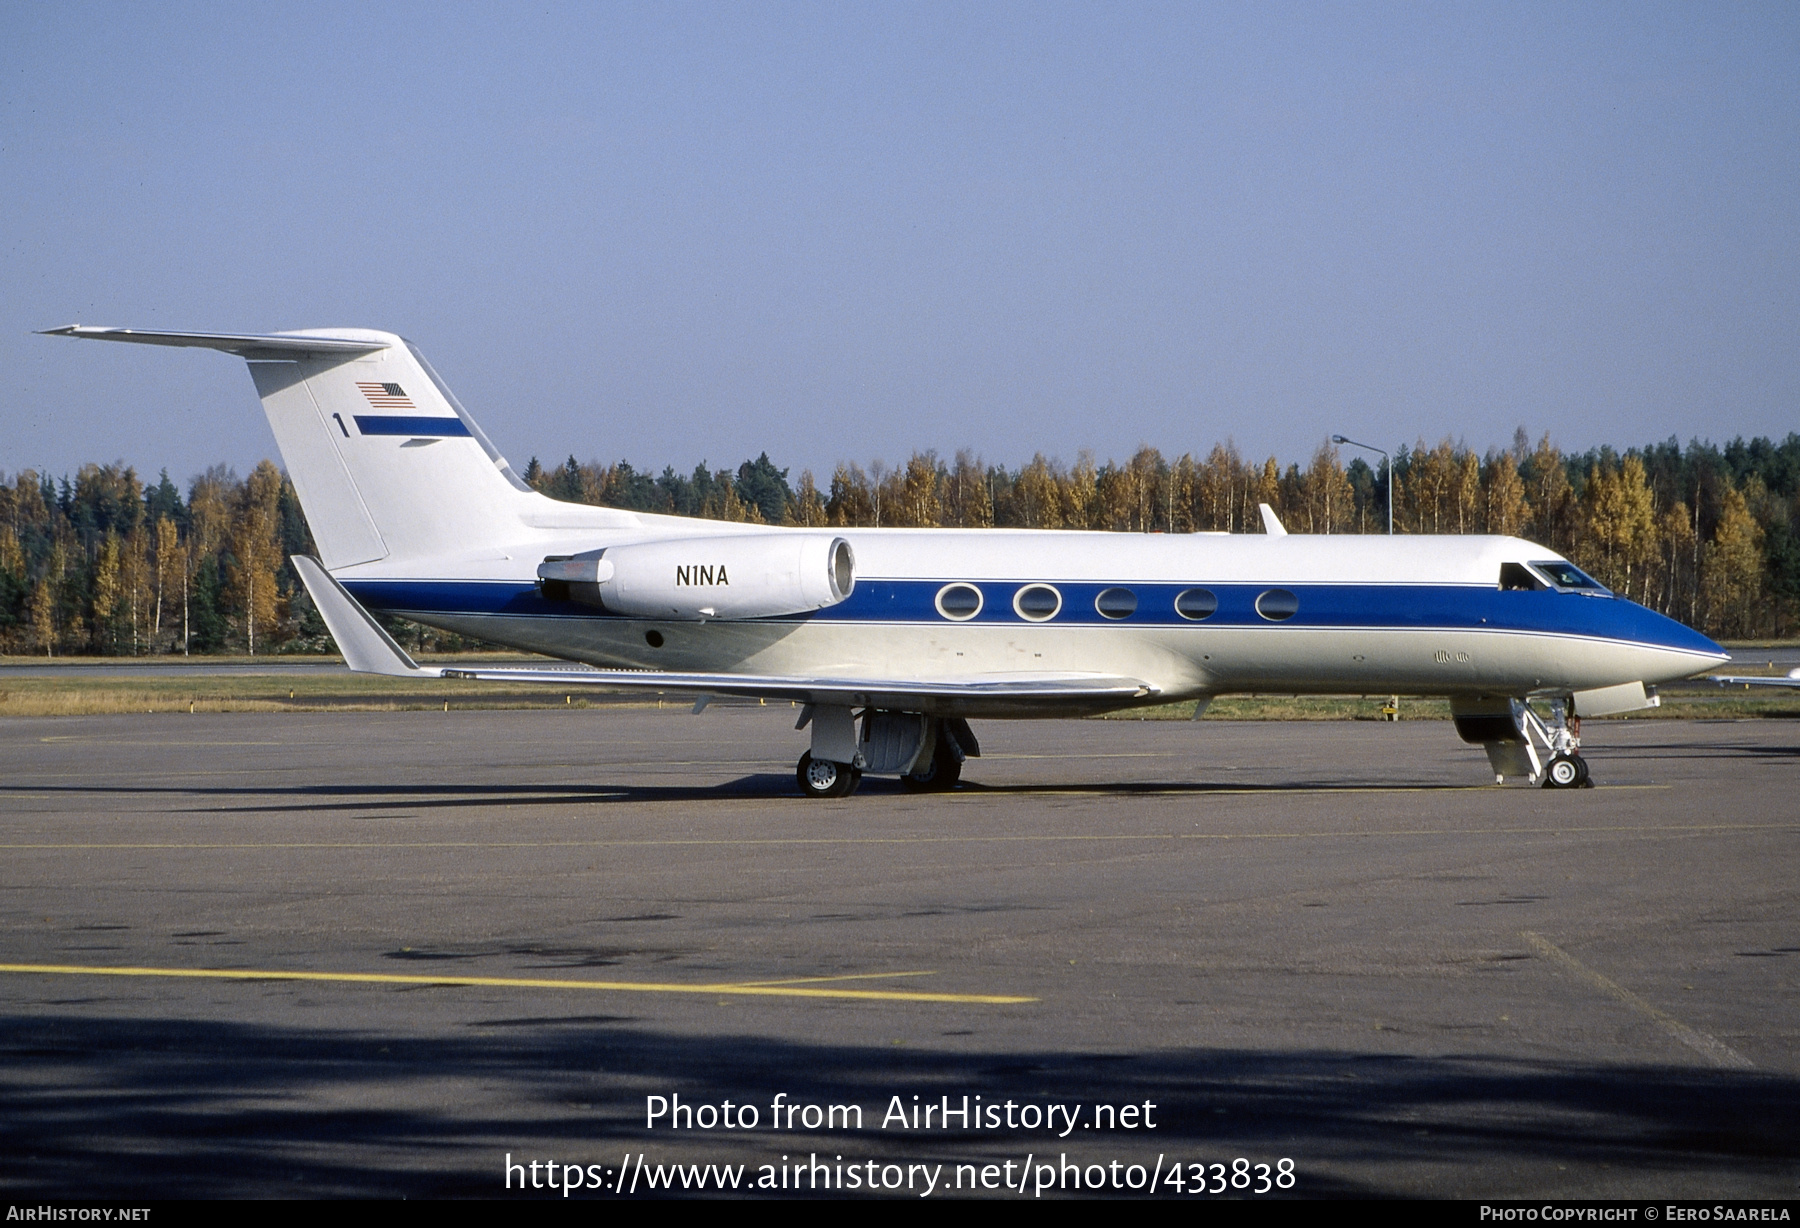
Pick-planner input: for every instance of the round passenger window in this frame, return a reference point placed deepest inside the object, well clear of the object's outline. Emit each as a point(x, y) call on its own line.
point(1196, 604)
point(1037, 602)
point(1277, 605)
point(959, 602)
point(1116, 603)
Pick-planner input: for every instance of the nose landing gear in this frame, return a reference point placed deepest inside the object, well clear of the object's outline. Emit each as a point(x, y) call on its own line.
point(1561, 737)
point(1543, 748)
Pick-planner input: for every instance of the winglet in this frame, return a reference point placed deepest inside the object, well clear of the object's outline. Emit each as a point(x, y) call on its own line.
point(367, 648)
point(1271, 522)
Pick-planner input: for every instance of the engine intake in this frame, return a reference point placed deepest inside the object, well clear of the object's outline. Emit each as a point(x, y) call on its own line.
point(762, 575)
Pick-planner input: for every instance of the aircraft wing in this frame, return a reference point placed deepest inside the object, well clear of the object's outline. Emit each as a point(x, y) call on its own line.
point(368, 648)
point(1791, 679)
point(824, 689)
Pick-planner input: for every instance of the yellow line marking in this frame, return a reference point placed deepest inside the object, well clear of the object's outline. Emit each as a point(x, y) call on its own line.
point(786, 842)
point(74, 738)
point(736, 988)
point(1715, 1051)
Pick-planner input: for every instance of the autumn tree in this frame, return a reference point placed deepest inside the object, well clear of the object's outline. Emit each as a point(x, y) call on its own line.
point(968, 501)
point(256, 553)
point(171, 568)
point(1680, 589)
point(1327, 502)
point(915, 502)
point(1267, 489)
point(45, 600)
point(1620, 522)
point(134, 585)
point(851, 505)
point(1037, 495)
point(1731, 567)
point(1080, 490)
point(808, 508)
point(1504, 509)
point(1466, 493)
point(1427, 489)
point(104, 600)
point(1548, 494)
point(1221, 491)
point(1180, 493)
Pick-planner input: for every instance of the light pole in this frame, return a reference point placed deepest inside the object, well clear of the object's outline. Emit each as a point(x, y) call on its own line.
point(1390, 474)
point(1392, 711)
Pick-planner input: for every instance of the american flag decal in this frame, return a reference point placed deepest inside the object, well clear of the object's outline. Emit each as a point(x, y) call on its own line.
point(386, 396)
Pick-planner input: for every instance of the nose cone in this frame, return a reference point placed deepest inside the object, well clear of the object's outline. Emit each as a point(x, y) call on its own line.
point(1670, 650)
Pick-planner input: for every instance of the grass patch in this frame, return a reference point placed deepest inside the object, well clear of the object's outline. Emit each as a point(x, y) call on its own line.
point(146, 691)
point(1290, 708)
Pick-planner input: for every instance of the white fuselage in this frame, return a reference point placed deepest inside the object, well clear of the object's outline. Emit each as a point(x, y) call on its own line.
point(1375, 614)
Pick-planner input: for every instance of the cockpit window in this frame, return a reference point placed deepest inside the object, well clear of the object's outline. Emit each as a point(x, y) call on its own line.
point(1570, 578)
point(1517, 578)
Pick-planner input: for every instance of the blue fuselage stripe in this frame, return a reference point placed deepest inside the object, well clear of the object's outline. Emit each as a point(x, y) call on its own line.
point(1321, 607)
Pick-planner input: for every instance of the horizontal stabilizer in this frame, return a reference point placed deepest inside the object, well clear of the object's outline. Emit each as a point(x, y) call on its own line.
point(244, 345)
point(367, 647)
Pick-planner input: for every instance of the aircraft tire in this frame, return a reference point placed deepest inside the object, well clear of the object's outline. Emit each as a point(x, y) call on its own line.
point(1564, 772)
point(1586, 781)
point(940, 777)
point(945, 769)
point(823, 778)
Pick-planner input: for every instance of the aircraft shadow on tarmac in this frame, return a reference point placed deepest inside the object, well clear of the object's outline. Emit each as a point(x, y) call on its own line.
point(1712, 750)
point(333, 797)
point(113, 1108)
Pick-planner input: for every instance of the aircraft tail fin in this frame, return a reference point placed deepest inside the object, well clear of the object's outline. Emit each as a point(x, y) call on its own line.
point(386, 463)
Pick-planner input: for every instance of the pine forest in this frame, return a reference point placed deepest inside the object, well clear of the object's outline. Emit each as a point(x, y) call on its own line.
point(104, 564)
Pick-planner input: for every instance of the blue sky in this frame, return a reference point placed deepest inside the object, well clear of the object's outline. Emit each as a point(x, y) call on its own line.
point(838, 232)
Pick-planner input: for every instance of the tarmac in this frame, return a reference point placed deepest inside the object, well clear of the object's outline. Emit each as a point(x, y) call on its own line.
point(386, 954)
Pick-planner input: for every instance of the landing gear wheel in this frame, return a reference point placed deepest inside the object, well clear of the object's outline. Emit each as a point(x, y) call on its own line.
point(1585, 782)
point(823, 778)
point(940, 777)
point(1565, 772)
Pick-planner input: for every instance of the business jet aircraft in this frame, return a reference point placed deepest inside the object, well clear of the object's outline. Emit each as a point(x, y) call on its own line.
point(915, 631)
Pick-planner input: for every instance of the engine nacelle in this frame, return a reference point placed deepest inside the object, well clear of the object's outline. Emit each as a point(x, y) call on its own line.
point(758, 575)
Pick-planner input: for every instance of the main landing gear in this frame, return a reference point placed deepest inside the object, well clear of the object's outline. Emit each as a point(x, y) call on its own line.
point(925, 752)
